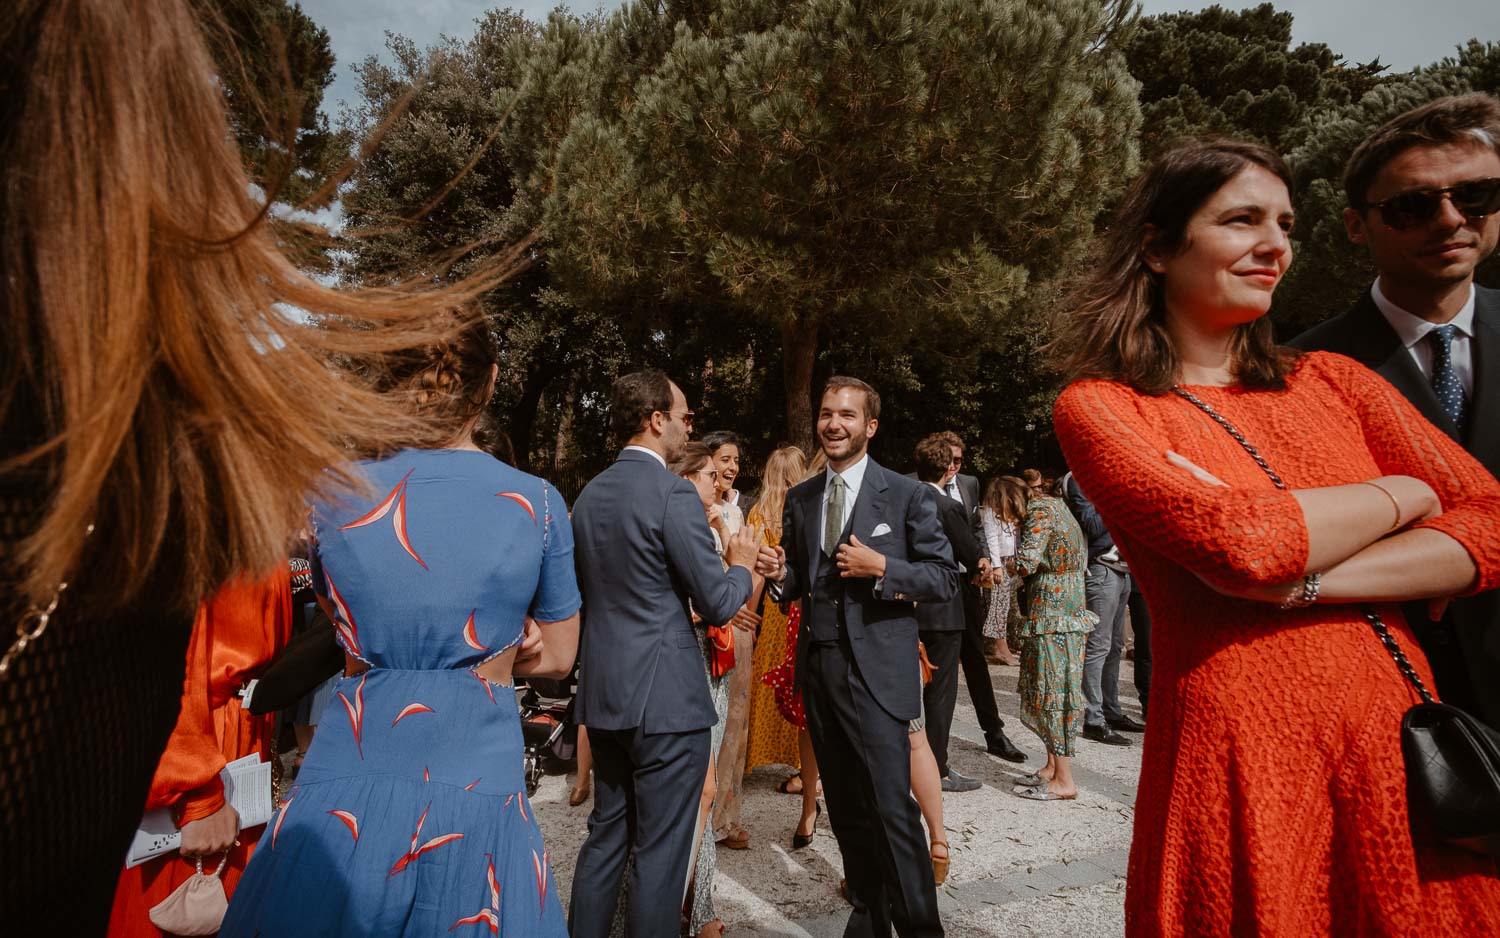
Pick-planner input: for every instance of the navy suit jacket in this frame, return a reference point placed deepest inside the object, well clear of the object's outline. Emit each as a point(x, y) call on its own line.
point(1363, 334)
point(949, 616)
point(882, 629)
point(643, 549)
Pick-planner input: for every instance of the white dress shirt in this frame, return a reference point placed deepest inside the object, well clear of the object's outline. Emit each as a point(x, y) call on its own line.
point(654, 454)
point(854, 477)
point(1412, 330)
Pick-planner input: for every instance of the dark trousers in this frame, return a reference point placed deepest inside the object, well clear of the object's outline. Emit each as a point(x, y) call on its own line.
point(940, 695)
point(864, 759)
point(1140, 623)
point(976, 668)
point(646, 795)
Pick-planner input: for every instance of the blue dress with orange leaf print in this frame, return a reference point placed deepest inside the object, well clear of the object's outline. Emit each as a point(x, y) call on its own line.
point(410, 814)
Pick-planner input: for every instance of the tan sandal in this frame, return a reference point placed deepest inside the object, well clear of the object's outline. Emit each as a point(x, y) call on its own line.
point(939, 864)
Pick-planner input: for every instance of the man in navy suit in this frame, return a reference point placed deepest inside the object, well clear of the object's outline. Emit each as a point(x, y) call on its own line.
point(643, 550)
point(860, 546)
point(1424, 197)
point(941, 625)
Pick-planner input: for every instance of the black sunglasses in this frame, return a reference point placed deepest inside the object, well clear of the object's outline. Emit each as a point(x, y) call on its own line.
point(1474, 199)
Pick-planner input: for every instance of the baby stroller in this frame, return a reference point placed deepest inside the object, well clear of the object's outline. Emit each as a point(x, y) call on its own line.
point(547, 729)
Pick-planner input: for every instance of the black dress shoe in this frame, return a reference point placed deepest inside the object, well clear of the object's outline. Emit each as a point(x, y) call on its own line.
point(955, 782)
point(1125, 724)
point(999, 745)
point(799, 839)
point(1103, 734)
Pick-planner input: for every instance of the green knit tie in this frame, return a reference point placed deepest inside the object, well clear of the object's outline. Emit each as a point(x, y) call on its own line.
point(833, 523)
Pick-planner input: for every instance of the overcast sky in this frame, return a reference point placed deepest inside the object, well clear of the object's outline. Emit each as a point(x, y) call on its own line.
point(1402, 33)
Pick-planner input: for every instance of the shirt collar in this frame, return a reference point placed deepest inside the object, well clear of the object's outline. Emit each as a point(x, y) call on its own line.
point(1410, 327)
point(853, 476)
point(937, 486)
point(654, 454)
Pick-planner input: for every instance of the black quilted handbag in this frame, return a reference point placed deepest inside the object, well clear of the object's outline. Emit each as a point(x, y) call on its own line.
point(1452, 765)
point(1452, 759)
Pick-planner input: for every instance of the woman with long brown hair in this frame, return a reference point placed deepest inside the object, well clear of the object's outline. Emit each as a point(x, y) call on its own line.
point(164, 411)
point(1275, 508)
point(1001, 512)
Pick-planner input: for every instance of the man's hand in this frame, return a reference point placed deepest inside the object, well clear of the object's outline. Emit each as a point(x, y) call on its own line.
point(531, 641)
point(770, 562)
point(984, 566)
point(745, 620)
point(857, 560)
point(744, 547)
point(210, 835)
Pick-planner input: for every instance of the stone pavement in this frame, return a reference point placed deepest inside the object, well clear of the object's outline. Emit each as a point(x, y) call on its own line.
point(1019, 867)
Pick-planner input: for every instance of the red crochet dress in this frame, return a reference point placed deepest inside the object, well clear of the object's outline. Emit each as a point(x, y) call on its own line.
point(1272, 792)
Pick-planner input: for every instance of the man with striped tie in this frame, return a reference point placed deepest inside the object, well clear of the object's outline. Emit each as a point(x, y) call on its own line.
point(1424, 198)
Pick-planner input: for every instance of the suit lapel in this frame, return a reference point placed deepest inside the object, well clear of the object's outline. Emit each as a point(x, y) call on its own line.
point(1484, 419)
point(812, 528)
point(869, 507)
point(1376, 345)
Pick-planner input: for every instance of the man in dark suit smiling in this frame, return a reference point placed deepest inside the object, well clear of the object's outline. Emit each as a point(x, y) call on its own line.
point(860, 546)
point(1424, 197)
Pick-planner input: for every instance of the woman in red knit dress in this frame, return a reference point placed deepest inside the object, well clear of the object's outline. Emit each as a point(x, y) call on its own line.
point(1272, 796)
point(235, 635)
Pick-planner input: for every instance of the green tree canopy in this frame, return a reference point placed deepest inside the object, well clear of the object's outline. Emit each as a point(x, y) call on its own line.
point(841, 172)
point(1236, 73)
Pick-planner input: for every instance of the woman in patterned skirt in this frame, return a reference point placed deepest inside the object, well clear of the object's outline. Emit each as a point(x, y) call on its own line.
point(1052, 557)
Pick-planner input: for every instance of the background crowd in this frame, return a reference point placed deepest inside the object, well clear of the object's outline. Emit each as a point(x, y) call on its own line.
point(1308, 535)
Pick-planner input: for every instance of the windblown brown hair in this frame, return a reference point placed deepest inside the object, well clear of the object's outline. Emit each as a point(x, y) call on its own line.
point(1115, 328)
point(694, 456)
point(1007, 497)
point(166, 374)
point(445, 382)
point(785, 467)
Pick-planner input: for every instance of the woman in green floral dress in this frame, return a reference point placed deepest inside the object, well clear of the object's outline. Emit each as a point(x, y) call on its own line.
point(1052, 557)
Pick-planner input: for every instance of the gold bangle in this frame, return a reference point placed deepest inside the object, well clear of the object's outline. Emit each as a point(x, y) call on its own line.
point(1394, 503)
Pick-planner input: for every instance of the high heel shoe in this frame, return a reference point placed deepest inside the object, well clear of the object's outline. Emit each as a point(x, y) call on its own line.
point(939, 864)
point(799, 839)
point(579, 795)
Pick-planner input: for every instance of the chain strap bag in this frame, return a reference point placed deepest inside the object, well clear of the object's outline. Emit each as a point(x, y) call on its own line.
point(1452, 759)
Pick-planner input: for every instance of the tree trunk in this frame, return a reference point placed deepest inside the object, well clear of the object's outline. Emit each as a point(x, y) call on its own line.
point(522, 420)
point(799, 352)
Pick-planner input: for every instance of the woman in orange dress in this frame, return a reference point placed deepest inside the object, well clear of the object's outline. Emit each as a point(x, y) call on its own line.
point(1272, 798)
point(235, 635)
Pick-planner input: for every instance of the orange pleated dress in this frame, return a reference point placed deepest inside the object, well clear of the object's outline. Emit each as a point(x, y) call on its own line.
point(235, 635)
point(1272, 791)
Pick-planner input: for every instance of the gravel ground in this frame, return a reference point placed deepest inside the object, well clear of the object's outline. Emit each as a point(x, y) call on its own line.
point(1019, 867)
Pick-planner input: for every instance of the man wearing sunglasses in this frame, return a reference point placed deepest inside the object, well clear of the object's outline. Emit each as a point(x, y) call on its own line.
point(1424, 198)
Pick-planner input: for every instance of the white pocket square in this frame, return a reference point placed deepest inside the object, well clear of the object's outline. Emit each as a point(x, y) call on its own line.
point(880, 529)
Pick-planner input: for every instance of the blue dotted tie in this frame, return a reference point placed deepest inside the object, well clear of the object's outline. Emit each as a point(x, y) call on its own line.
point(1445, 383)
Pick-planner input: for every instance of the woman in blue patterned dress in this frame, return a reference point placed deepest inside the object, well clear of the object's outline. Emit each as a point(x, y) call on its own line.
point(410, 815)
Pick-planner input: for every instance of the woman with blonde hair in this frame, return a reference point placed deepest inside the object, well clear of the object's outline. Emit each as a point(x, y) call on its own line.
point(164, 411)
point(776, 738)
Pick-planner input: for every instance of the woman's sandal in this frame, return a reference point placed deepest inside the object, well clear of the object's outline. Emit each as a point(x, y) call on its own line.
point(1034, 780)
point(939, 863)
point(786, 784)
point(737, 839)
point(1042, 794)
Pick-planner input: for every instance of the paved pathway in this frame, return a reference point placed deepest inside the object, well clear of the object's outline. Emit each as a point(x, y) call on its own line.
point(1019, 867)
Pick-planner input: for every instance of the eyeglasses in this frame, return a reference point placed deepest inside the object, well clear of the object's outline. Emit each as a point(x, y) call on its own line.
point(1474, 199)
point(713, 474)
point(686, 417)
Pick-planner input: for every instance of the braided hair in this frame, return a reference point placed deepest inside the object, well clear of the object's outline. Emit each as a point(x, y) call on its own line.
point(446, 382)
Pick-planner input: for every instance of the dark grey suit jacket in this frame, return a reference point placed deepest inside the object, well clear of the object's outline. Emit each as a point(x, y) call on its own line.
point(882, 630)
point(643, 548)
point(969, 491)
point(949, 616)
point(1363, 334)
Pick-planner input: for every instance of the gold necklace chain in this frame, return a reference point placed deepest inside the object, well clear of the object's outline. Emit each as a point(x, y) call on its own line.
point(28, 633)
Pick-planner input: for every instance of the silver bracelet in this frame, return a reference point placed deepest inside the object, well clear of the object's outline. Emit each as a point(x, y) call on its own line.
point(1306, 594)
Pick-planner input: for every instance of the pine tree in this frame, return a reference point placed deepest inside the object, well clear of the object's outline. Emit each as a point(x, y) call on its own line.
point(839, 171)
